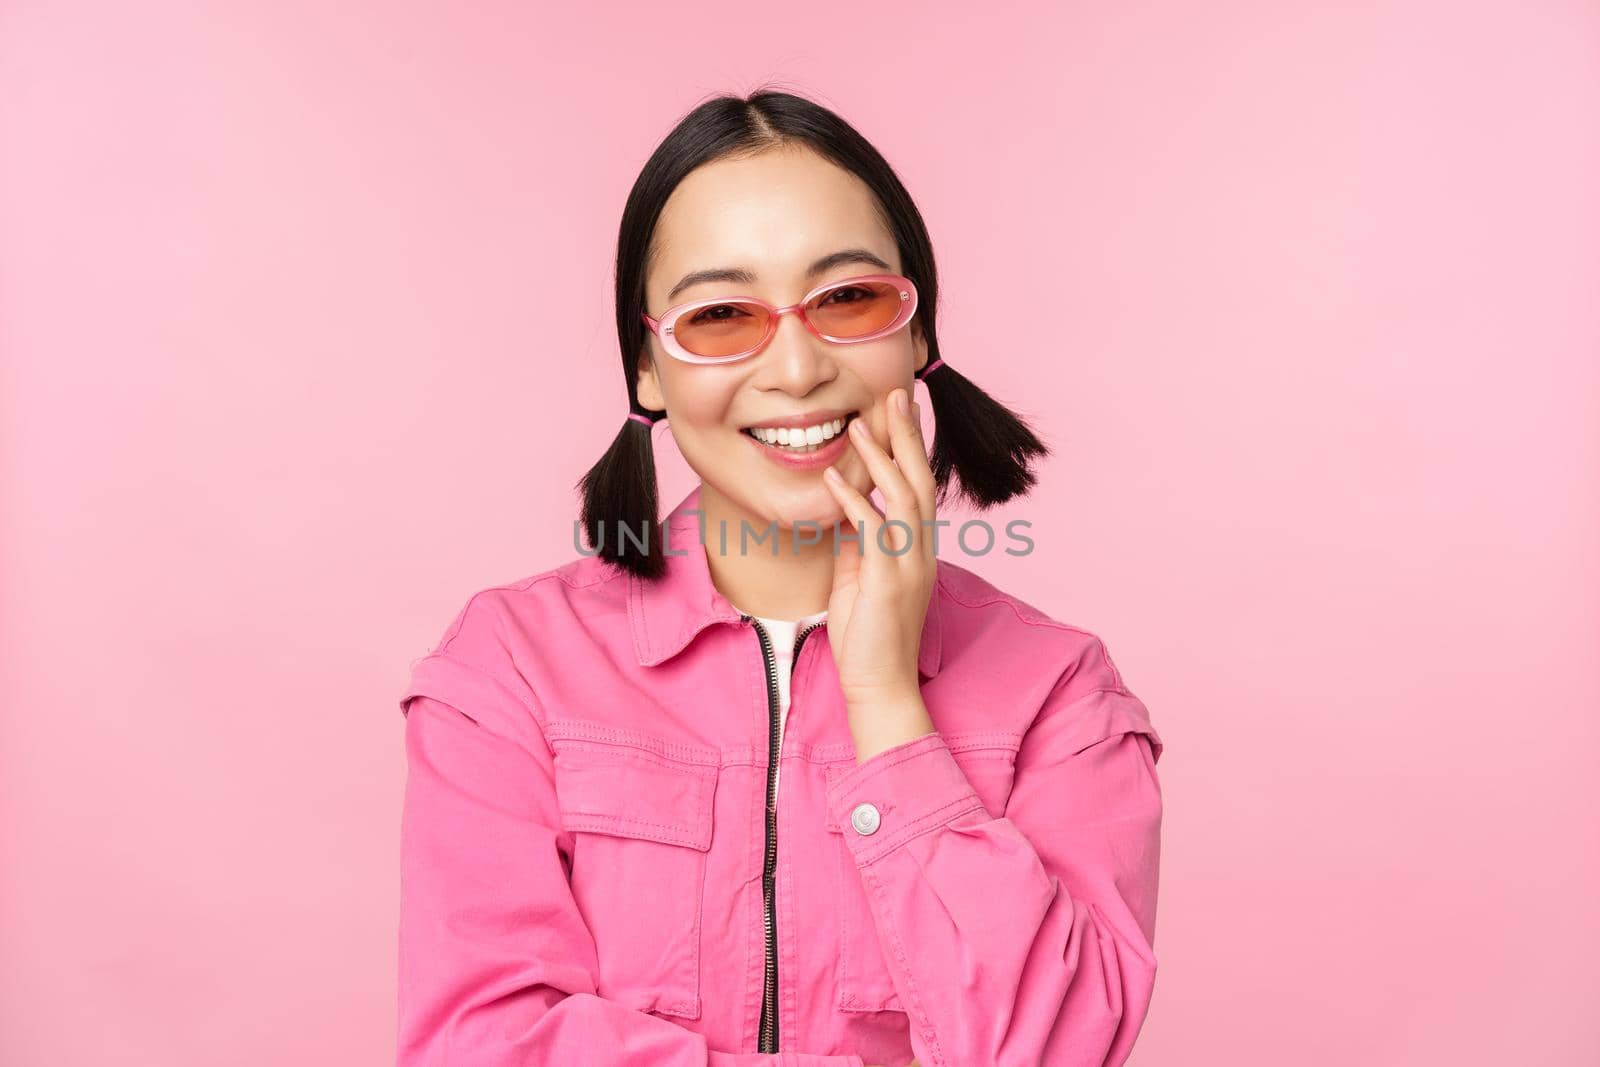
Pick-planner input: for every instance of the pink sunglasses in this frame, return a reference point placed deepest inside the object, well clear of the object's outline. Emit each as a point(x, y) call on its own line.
point(845, 312)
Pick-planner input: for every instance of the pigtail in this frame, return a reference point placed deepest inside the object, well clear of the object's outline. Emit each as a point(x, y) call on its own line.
point(988, 448)
point(620, 501)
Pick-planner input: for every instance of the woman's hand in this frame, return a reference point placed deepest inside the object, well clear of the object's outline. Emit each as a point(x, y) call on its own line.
point(883, 581)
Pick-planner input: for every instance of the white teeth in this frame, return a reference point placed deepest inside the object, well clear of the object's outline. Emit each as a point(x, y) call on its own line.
point(797, 439)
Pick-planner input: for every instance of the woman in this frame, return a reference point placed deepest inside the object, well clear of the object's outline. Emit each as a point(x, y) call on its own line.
point(598, 864)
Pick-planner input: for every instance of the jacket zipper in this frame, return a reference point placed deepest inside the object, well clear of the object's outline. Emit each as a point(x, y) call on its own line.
point(769, 994)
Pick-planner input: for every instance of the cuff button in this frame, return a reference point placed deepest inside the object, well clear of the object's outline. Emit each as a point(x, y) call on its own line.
point(865, 819)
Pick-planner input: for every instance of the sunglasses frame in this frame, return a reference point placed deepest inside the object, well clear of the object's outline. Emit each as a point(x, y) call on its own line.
point(663, 327)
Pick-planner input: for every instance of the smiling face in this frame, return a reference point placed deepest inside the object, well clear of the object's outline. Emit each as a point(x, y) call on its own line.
point(773, 216)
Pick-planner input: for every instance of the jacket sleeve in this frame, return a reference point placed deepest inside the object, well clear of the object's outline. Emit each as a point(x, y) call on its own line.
point(496, 965)
point(1029, 938)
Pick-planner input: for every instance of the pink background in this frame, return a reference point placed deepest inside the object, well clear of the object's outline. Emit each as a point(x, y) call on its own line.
point(306, 323)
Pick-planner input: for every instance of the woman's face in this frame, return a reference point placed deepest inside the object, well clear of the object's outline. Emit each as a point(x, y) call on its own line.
point(773, 215)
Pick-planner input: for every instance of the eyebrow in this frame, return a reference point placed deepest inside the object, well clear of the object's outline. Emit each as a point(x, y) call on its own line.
point(745, 277)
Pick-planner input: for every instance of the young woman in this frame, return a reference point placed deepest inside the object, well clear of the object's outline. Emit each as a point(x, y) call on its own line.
point(599, 866)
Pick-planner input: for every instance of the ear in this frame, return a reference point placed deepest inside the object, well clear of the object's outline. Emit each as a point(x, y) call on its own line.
point(920, 341)
point(648, 387)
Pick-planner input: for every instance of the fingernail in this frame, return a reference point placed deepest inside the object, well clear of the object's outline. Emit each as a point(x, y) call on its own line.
point(916, 411)
point(857, 426)
point(900, 402)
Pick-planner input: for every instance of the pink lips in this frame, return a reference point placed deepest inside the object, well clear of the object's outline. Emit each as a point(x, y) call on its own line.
point(825, 456)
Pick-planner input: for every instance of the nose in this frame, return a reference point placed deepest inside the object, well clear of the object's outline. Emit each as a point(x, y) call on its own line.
point(795, 360)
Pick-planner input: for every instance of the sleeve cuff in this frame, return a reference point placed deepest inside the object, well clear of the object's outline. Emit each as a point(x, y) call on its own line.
point(897, 795)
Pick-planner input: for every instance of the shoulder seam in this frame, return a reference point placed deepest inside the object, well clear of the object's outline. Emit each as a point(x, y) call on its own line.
point(539, 721)
point(1009, 601)
point(522, 585)
point(1043, 620)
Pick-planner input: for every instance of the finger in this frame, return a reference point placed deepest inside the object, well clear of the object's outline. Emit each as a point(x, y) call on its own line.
point(899, 499)
point(911, 454)
point(911, 457)
point(897, 492)
point(857, 508)
point(929, 491)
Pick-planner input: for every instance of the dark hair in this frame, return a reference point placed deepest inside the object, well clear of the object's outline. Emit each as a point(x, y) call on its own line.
point(988, 448)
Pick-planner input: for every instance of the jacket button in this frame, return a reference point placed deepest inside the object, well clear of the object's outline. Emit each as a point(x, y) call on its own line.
point(865, 819)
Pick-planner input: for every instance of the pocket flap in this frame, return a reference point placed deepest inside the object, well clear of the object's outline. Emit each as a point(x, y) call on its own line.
point(625, 791)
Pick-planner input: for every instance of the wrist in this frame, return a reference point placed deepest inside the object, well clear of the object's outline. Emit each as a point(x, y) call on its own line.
point(887, 720)
point(887, 698)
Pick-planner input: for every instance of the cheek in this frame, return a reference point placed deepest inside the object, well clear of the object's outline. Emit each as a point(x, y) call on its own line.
point(883, 366)
point(699, 406)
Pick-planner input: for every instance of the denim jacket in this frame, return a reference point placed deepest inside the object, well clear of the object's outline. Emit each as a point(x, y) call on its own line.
point(597, 870)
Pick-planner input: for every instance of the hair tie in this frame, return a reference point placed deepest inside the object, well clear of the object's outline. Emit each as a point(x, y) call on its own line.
point(938, 362)
point(647, 420)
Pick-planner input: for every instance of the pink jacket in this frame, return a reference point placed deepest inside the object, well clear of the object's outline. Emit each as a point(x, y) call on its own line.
point(591, 872)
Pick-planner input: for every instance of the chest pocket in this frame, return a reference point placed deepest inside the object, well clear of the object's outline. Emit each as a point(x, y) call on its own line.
point(862, 977)
point(640, 814)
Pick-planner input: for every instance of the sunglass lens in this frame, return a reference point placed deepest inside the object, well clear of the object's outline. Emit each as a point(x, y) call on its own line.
point(725, 329)
point(856, 309)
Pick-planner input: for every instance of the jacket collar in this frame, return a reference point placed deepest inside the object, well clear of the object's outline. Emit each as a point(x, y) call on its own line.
point(668, 613)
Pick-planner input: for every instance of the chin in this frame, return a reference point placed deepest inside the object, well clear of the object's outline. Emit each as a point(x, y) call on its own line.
point(815, 506)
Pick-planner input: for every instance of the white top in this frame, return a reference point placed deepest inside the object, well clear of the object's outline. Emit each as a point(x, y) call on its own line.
point(782, 632)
